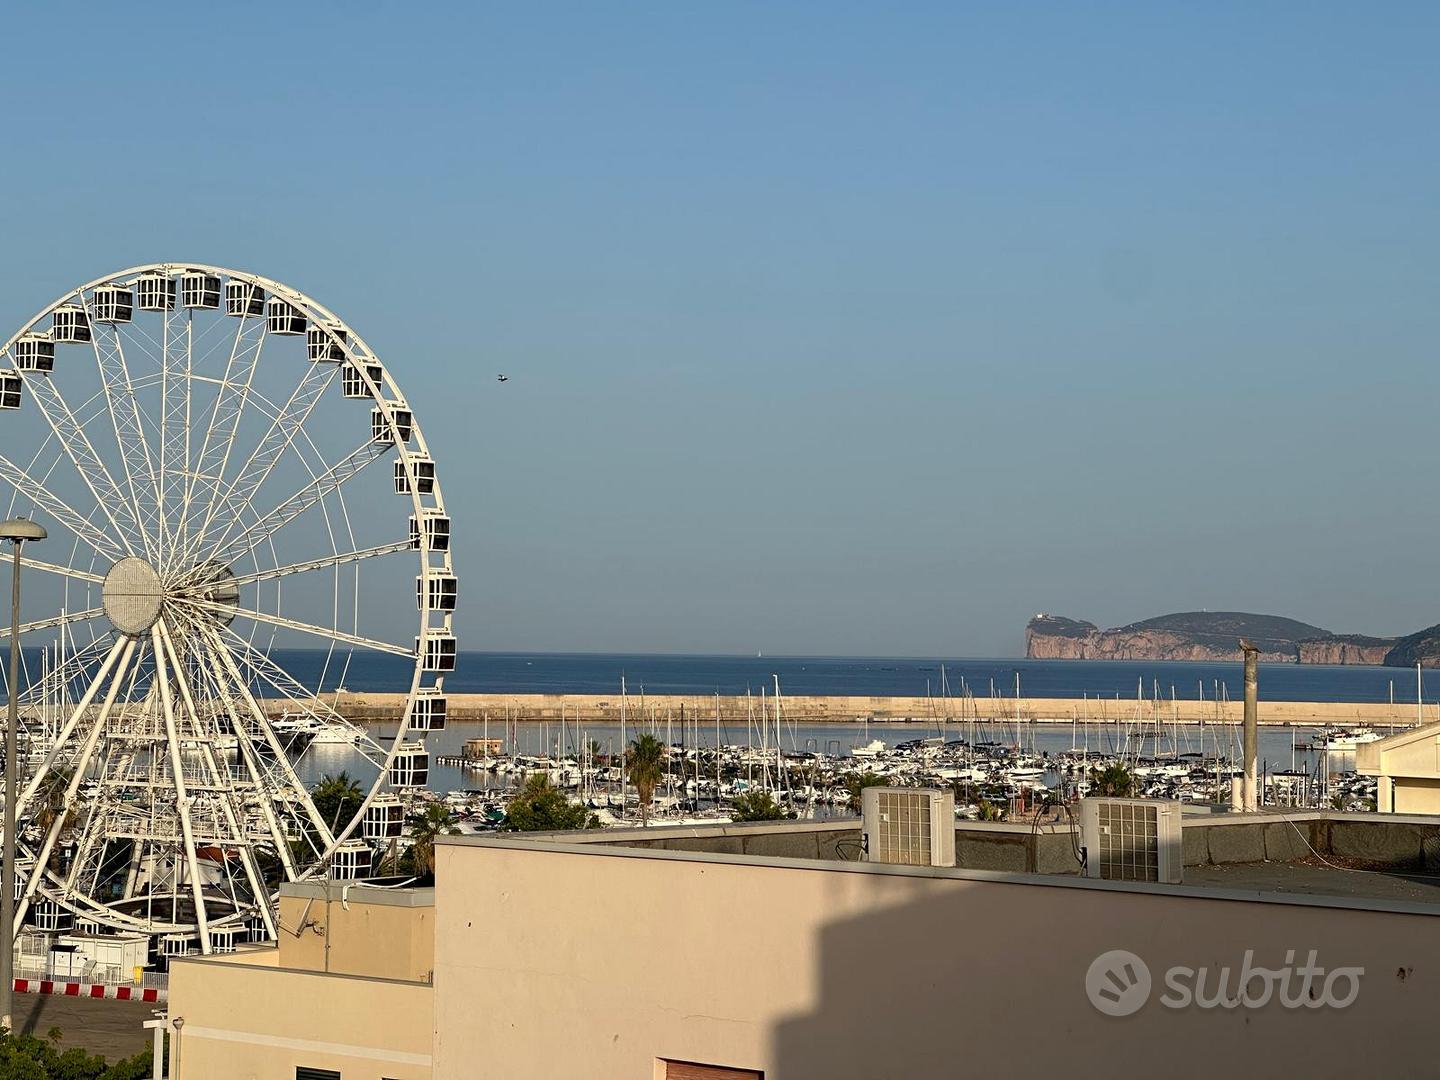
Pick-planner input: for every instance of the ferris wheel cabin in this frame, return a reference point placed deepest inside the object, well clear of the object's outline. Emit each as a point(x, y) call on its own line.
point(10, 390)
point(353, 384)
point(437, 531)
point(350, 861)
point(244, 300)
point(35, 352)
point(384, 818)
point(283, 317)
point(410, 767)
point(428, 712)
point(424, 476)
point(72, 325)
point(155, 292)
point(50, 918)
point(176, 945)
point(199, 289)
point(437, 652)
point(326, 342)
point(444, 590)
point(113, 303)
point(380, 426)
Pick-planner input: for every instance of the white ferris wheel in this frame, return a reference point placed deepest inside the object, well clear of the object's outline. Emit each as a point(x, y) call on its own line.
point(197, 442)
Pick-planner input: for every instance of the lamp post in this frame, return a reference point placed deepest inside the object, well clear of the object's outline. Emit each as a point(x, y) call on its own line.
point(17, 531)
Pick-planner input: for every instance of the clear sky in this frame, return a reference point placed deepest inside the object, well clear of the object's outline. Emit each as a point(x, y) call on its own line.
point(831, 328)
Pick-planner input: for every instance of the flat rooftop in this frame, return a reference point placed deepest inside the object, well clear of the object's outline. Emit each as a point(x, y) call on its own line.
point(1371, 861)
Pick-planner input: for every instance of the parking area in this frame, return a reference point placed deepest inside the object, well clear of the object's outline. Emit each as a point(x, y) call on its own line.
point(106, 1027)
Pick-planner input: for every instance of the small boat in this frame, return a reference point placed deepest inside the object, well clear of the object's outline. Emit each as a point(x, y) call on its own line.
point(1344, 740)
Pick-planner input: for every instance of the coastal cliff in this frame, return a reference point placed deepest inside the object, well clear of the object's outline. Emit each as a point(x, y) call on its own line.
point(1346, 649)
point(1209, 636)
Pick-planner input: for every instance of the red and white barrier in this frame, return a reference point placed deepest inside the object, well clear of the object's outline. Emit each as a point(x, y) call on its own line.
point(90, 990)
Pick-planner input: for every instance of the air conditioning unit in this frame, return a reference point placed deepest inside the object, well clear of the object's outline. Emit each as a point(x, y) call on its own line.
point(1132, 840)
point(910, 826)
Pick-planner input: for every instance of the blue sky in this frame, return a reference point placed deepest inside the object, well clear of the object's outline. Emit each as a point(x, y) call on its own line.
point(831, 329)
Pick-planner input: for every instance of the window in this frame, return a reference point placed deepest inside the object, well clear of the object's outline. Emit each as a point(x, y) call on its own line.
point(304, 1072)
point(689, 1070)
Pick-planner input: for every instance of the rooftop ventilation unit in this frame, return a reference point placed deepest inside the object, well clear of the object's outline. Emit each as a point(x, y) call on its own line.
point(1132, 840)
point(910, 826)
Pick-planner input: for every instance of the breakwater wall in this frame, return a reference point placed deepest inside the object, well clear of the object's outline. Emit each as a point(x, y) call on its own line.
point(602, 708)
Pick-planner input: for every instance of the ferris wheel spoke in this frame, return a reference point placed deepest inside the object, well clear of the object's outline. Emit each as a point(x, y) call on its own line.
point(77, 773)
point(183, 800)
point(288, 686)
point(176, 344)
point(32, 563)
point(60, 620)
point(260, 780)
point(124, 412)
point(70, 434)
point(309, 705)
point(325, 562)
point(225, 793)
point(57, 509)
point(228, 550)
point(219, 440)
point(282, 760)
point(55, 681)
point(114, 666)
point(281, 622)
point(225, 511)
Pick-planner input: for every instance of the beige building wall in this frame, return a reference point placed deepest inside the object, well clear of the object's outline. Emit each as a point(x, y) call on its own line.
point(1408, 767)
point(347, 988)
point(344, 931)
point(259, 1023)
point(598, 963)
point(1415, 796)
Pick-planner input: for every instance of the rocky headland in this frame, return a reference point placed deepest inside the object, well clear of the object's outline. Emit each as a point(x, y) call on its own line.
point(1215, 636)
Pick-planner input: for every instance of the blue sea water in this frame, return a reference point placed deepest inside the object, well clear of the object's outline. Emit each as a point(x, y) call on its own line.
point(600, 673)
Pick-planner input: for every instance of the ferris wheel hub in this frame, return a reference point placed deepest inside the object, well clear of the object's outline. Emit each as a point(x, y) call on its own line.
point(132, 596)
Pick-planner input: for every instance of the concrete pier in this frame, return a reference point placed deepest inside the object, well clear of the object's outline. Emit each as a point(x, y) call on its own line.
point(605, 708)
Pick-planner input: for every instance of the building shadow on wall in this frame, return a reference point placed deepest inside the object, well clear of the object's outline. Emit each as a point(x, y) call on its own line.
point(989, 979)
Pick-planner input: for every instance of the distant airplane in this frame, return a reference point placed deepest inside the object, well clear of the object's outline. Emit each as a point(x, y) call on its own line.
point(503, 378)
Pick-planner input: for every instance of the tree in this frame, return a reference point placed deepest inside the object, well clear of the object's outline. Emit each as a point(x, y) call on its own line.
point(25, 1057)
point(50, 799)
point(757, 806)
point(542, 807)
point(434, 822)
point(1114, 780)
point(338, 799)
point(646, 761)
point(858, 782)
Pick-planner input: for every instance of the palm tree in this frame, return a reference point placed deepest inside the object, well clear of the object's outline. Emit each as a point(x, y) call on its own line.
point(337, 798)
point(50, 799)
point(1114, 780)
point(645, 759)
point(436, 821)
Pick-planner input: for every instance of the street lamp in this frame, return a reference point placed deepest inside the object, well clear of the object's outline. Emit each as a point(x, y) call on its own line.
point(17, 531)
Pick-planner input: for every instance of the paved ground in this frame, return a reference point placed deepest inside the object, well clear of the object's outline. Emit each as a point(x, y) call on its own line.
point(109, 1028)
